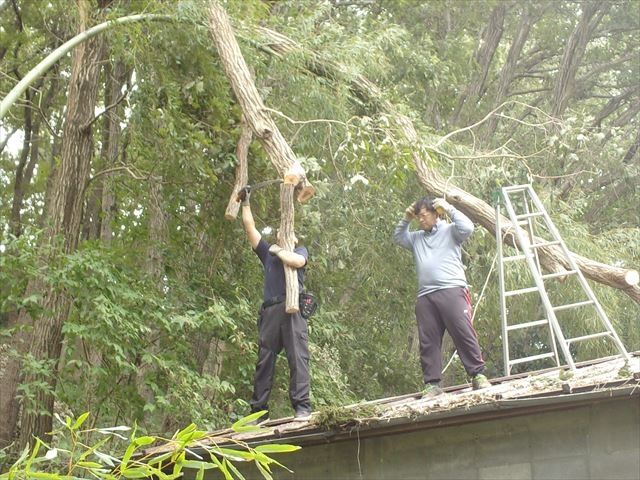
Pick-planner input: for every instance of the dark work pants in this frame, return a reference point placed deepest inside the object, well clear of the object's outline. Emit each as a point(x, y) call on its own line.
point(448, 309)
point(277, 330)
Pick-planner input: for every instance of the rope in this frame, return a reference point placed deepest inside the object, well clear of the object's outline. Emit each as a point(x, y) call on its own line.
point(473, 315)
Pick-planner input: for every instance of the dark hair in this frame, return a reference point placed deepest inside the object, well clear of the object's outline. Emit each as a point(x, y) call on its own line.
point(424, 202)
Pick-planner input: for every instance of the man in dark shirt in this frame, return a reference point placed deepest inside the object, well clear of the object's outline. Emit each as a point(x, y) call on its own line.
point(276, 327)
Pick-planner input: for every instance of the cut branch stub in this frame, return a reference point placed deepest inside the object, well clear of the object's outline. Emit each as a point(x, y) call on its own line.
point(297, 176)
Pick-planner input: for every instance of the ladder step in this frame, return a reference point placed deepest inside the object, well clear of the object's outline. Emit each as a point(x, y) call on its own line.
point(514, 257)
point(544, 244)
point(588, 337)
point(520, 291)
point(573, 305)
point(532, 358)
point(559, 274)
point(544, 321)
point(515, 188)
point(529, 215)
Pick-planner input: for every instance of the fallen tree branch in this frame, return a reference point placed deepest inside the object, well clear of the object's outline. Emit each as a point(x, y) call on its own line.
point(476, 209)
point(266, 131)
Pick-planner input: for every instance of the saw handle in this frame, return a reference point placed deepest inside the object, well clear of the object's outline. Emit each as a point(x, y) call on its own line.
point(243, 193)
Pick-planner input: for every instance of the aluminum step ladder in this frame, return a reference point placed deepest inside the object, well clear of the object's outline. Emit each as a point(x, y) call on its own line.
point(527, 247)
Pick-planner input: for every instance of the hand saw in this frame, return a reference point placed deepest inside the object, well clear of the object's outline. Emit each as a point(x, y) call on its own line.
point(243, 191)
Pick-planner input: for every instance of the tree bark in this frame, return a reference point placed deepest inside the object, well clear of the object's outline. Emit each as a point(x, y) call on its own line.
point(20, 184)
point(477, 210)
point(285, 239)
point(120, 77)
point(242, 171)
point(487, 46)
point(30, 149)
point(63, 222)
point(592, 13)
point(278, 150)
point(101, 206)
point(614, 103)
point(508, 72)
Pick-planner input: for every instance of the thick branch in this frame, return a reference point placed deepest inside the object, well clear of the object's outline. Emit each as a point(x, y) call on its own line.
point(285, 238)
point(242, 172)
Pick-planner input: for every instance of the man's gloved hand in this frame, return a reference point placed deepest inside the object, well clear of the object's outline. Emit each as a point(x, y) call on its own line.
point(244, 195)
point(410, 212)
point(441, 205)
point(275, 249)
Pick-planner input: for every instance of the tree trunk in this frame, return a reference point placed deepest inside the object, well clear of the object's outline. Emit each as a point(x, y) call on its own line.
point(487, 46)
point(477, 210)
point(30, 150)
point(158, 234)
point(592, 13)
point(508, 71)
point(62, 222)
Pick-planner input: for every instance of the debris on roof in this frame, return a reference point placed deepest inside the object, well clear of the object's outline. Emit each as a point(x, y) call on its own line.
point(609, 375)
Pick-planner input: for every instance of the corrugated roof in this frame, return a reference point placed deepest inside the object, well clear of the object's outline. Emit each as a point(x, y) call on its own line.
point(517, 395)
point(553, 389)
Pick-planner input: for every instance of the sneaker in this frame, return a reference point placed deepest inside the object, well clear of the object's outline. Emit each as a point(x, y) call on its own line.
point(479, 381)
point(302, 416)
point(431, 390)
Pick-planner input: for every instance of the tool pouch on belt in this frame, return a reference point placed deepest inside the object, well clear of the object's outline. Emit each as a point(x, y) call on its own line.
point(308, 304)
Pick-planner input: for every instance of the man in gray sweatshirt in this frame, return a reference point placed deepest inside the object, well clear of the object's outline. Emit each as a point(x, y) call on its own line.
point(443, 298)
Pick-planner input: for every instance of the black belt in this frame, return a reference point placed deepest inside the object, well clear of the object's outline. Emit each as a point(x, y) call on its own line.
point(273, 301)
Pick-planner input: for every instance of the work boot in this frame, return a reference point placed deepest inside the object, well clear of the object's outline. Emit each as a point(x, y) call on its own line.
point(431, 390)
point(302, 415)
point(479, 381)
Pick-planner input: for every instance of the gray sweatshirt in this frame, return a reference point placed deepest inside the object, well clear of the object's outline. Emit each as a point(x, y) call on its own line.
point(438, 253)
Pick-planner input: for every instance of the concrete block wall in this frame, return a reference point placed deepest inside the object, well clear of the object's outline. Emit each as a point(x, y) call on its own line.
point(598, 441)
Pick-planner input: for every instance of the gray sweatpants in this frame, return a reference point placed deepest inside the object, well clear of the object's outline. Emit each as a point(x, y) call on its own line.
point(448, 309)
point(277, 330)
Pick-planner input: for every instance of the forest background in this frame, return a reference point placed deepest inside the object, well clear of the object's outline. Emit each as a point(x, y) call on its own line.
point(125, 292)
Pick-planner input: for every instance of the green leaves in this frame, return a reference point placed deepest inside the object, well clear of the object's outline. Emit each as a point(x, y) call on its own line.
point(137, 462)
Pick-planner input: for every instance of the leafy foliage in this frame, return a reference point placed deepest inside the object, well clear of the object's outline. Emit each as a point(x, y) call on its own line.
point(81, 452)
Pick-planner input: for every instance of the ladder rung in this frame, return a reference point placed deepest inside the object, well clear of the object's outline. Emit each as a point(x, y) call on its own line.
point(514, 257)
point(588, 337)
point(544, 321)
point(532, 358)
point(544, 244)
point(516, 188)
point(573, 305)
point(559, 274)
point(520, 291)
point(529, 215)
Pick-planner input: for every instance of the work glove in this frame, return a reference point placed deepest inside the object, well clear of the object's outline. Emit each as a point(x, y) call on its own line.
point(441, 205)
point(410, 212)
point(244, 195)
point(275, 249)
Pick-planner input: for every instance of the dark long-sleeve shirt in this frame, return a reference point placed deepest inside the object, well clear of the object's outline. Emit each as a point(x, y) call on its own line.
point(438, 253)
point(274, 282)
